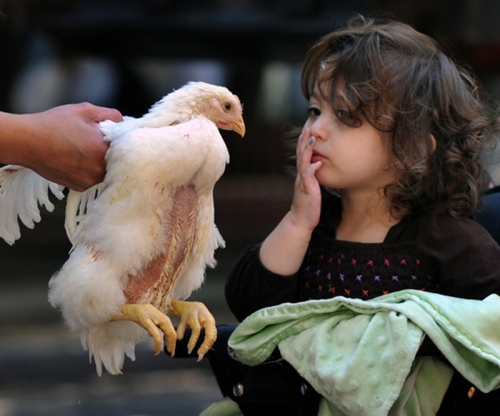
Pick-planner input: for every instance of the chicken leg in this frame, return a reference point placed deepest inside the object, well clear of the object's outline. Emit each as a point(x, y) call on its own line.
point(153, 321)
point(192, 314)
point(195, 315)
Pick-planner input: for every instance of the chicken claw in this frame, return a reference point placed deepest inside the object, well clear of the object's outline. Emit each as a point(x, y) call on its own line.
point(152, 320)
point(195, 315)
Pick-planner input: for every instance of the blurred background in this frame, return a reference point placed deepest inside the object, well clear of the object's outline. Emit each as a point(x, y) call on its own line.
point(127, 54)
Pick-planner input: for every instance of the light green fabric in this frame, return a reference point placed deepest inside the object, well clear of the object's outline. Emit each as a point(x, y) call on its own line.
point(360, 355)
point(224, 407)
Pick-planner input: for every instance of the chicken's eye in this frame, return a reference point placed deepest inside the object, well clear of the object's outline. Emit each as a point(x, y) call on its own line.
point(227, 106)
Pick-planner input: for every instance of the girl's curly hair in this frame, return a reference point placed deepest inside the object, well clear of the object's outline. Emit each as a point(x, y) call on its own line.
point(399, 80)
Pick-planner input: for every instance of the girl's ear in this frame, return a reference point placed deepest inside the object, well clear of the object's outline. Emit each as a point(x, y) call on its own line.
point(433, 142)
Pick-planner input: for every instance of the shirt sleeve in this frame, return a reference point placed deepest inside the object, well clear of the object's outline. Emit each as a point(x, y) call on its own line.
point(488, 213)
point(250, 286)
point(462, 253)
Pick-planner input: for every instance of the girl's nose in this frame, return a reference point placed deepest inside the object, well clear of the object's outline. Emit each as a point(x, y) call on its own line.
point(317, 130)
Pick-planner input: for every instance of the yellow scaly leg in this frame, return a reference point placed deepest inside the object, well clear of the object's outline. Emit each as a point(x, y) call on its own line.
point(195, 315)
point(153, 321)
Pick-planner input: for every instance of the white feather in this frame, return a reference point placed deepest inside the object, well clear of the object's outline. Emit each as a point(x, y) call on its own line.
point(21, 193)
point(76, 208)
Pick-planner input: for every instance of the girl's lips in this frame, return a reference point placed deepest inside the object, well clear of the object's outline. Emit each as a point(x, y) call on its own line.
point(317, 157)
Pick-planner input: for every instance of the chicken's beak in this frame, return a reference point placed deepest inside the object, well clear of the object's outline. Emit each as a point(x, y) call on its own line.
point(239, 126)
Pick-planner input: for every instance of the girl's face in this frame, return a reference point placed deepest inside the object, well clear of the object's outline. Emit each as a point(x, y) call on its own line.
point(352, 158)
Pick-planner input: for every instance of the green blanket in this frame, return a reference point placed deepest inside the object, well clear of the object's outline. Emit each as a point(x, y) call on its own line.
point(360, 355)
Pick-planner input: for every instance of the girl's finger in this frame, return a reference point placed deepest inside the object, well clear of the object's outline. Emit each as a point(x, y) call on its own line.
point(304, 141)
point(305, 153)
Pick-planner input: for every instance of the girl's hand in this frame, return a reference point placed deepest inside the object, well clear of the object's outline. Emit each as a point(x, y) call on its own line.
point(306, 204)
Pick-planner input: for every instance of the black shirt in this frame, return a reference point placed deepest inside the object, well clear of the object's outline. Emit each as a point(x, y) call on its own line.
point(433, 251)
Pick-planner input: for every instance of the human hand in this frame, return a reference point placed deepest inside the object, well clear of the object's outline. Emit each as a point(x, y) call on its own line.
point(66, 145)
point(306, 204)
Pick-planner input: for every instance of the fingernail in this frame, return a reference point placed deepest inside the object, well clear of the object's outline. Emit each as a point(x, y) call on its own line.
point(311, 141)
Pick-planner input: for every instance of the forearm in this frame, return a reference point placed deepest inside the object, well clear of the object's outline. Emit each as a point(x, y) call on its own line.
point(16, 139)
point(283, 250)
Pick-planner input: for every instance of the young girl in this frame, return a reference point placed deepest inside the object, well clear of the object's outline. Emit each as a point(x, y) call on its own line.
point(388, 173)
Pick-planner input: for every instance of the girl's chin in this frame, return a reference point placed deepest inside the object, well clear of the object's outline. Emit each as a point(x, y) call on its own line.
point(326, 182)
point(323, 182)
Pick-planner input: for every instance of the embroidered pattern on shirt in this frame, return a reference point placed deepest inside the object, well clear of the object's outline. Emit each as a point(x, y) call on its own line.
point(360, 271)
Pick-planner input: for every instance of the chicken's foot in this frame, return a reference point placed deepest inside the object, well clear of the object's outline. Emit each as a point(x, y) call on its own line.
point(195, 315)
point(153, 321)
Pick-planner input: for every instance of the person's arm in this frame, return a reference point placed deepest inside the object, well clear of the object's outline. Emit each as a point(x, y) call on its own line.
point(488, 213)
point(266, 275)
point(283, 250)
point(250, 286)
point(63, 144)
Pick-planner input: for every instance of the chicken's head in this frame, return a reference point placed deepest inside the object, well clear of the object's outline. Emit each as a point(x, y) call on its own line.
point(221, 106)
point(226, 112)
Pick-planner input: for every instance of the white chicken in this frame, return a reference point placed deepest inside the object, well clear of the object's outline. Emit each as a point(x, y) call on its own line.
point(142, 238)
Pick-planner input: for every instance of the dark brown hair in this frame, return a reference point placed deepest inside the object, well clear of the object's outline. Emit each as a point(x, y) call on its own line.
point(399, 80)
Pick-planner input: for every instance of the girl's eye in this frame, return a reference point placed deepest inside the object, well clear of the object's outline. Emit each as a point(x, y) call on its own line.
point(313, 112)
